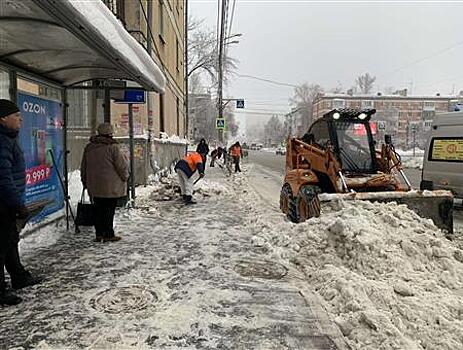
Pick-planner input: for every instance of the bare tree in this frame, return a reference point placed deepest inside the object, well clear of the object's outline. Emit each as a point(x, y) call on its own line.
point(365, 83)
point(203, 54)
point(303, 99)
point(275, 131)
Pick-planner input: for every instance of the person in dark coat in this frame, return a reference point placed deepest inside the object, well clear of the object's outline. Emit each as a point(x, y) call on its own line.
point(203, 149)
point(12, 205)
point(104, 173)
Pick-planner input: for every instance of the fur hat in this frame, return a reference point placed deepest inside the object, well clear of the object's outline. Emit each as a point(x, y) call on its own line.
point(7, 107)
point(105, 129)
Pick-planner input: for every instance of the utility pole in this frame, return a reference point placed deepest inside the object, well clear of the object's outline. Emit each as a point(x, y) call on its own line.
point(187, 115)
point(220, 82)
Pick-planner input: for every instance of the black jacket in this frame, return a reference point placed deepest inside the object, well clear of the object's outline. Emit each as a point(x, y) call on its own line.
point(203, 148)
point(12, 170)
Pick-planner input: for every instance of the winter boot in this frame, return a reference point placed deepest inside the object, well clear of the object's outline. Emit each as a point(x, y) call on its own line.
point(8, 298)
point(98, 239)
point(189, 200)
point(112, 239)
point(25, 280)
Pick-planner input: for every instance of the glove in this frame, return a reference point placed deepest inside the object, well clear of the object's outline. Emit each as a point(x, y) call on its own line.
point(22, 212)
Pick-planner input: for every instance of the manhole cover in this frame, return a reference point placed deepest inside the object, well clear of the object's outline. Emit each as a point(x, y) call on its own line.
point(261, 269)
point(123, 300)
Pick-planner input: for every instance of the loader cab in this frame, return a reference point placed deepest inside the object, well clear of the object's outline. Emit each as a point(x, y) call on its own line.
point(349, 132)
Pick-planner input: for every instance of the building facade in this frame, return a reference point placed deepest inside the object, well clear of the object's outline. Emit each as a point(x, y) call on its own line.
point(159, 26)
point(406, 118)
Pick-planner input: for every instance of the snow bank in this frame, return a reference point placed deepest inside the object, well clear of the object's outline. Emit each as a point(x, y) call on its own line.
point(389, 278)
point(165, 138)
point(167, 188)
point(413, 162)
point(269, 150)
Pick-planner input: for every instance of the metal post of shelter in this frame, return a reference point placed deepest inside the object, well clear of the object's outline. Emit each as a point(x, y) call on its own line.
point(65, 104)
point(13, 86)
point(132, 158)
point(107, 105)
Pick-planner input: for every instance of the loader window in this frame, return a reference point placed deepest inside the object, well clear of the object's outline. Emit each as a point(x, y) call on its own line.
point(321, 133)
point(354, 147)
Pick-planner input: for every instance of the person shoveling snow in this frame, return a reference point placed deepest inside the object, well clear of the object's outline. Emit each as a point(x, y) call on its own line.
point(185, 169)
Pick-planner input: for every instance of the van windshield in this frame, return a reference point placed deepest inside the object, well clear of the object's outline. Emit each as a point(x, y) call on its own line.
point(354, 146)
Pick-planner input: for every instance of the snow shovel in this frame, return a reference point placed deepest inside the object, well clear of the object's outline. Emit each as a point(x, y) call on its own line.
point(199, 178)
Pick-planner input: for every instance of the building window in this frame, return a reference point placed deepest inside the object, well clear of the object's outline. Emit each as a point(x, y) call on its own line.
point(338, 103)
point(178, 116)
point(429, 106)
point(4, 85)
point(367, 104)
point(427, 114)
point(161, 20)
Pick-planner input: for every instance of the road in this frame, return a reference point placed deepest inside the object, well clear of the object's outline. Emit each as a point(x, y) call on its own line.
point(275, 164)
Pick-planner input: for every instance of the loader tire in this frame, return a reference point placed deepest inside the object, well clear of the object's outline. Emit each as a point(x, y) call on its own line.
point(288, 203)
point(308, 203)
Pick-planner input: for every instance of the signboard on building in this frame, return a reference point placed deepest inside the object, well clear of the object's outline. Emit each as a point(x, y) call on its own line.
point(41, 135)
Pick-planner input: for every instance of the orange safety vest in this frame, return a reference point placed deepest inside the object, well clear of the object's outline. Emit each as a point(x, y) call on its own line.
point(193, 159)
point(236, 151)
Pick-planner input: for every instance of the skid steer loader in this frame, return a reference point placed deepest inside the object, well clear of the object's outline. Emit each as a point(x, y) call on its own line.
point(337, 160)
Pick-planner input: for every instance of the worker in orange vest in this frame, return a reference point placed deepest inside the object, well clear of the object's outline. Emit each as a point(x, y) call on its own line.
point(237, 154)
point(185, 169)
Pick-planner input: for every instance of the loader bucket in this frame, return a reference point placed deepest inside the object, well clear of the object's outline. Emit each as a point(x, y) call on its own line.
point(436, 205)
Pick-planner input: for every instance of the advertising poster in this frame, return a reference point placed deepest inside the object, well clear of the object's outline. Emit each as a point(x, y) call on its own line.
point(447, 149)
point(42, 134)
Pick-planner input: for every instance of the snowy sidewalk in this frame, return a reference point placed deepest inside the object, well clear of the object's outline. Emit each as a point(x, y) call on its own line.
point(182, 277)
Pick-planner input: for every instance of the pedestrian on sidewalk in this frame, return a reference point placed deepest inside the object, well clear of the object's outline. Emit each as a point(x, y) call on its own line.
point(237, 154)
point(104, 173)
point(12, 205)
point(185, 169)
point(203, 149)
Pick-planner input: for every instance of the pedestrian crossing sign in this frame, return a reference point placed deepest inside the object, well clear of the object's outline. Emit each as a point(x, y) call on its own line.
point(220, 123)
point(239, 103)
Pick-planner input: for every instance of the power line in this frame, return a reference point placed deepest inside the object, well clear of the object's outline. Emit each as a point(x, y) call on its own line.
point(438, 53)
point(232, 18)
point(266, 80)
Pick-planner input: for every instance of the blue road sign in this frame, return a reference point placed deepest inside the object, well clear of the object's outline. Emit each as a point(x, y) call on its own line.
point(133, 96)
point(220, 123)
point(239, 103)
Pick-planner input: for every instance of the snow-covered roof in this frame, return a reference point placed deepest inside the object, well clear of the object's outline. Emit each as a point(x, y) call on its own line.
point(71, 41)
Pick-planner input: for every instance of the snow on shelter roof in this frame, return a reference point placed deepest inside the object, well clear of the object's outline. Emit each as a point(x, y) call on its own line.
point(72, 41)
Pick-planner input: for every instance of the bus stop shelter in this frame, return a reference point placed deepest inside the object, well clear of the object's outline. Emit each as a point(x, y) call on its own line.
point(63, 44)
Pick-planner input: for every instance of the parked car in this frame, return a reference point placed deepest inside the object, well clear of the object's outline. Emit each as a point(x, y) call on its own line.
point(281, 150)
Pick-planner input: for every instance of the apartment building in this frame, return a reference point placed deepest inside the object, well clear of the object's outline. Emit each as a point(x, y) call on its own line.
point(159, 25)
point(404, 117)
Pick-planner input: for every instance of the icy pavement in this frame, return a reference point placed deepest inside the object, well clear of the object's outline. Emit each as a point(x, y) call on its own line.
point(182, 277)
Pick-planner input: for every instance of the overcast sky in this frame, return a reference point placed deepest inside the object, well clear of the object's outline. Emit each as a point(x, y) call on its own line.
point(414, 45)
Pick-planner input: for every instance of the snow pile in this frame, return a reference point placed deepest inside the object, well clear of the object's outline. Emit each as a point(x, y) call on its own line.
point(390, 279)
point(269, 150)
point(165, 138)
point(413, 162)
point(167, 188)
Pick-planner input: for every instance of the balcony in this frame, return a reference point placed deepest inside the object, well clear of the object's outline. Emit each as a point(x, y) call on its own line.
point(117, 7)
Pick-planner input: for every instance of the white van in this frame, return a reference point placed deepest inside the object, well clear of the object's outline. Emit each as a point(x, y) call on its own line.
point(443, 157)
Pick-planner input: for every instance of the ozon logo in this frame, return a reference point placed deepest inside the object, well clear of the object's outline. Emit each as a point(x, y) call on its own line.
point(34, 108)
